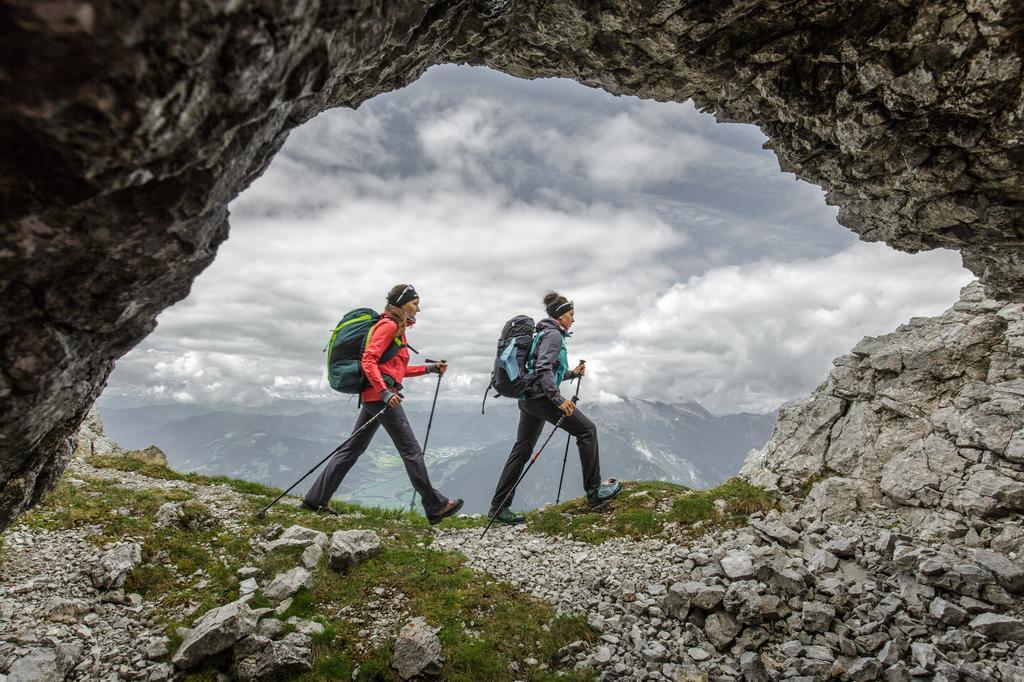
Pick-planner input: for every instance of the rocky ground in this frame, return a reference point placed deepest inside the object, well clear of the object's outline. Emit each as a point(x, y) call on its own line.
point(56, 618)
point(84, 600)
point(784, 598)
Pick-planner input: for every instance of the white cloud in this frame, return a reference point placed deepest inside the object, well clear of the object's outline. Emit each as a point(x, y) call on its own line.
point(698, 269)
point(751, 337)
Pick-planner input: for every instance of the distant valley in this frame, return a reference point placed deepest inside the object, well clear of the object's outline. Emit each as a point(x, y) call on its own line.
point(275, 445)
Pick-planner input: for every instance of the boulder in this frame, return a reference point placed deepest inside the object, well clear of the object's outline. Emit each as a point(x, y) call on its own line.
point(67, 611)
point(247, 587)
point(417, 651)
point(311, 556)
point(999, 627)
point(169, 514)
point(775, 530)
point(115, 564)
point(704, 596)
point(45, 664)
point(721, 628)
point(246, 654)
point(738, 565)
point(947, 612)
point(305, 627)
point(90, 439)
point(298, 536)
point(150, 455)
point(288, 583)
point(817, 616)
point(271, 628)
point(349, 547)
point(676, 601)
point(216, 631)
point(284, 658)
point(752, 668)
point(1007, 573)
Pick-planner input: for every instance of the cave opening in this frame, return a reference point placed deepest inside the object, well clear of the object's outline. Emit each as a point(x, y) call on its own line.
point(703, 274)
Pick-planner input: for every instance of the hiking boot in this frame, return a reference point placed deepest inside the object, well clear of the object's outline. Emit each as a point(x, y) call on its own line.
point(604, 493)
point(451, 508)
point(507, 516)
point(325, 509)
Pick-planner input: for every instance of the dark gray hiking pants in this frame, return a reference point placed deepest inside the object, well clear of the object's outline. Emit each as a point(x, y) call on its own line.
point(397, 425)
point(532, 415)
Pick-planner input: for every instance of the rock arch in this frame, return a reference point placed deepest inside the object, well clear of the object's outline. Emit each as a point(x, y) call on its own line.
point(126, 130)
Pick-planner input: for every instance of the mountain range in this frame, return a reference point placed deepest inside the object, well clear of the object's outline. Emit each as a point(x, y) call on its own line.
point(275, 445)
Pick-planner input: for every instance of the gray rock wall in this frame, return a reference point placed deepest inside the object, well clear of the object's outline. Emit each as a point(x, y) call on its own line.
point(929, 418)
point(125, 130)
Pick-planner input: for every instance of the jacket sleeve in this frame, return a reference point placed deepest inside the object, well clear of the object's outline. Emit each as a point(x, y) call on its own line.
point(415, 370)
point(546, 358)
point(383, 335)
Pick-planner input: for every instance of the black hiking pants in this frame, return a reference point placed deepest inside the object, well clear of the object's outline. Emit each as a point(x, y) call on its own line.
point(532, 415)
point(397, 425)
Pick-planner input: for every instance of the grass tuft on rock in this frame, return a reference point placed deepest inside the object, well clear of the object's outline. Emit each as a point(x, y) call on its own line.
point(652, 508)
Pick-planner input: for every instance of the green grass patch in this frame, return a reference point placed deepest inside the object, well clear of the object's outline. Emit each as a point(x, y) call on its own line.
point(646, 509)
point(484, 625)
point(139, 466)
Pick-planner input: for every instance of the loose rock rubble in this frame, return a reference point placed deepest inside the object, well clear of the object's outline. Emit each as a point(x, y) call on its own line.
point(252, 639)
point(56, 624)
point(786, 597)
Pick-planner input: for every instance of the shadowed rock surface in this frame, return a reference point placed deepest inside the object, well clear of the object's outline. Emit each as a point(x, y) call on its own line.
point(126, 129)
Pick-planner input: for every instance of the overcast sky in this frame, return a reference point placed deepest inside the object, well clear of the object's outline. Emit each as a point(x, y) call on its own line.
point(699, 270)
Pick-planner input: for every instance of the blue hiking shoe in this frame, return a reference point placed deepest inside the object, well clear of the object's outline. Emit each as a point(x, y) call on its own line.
point(604, 493)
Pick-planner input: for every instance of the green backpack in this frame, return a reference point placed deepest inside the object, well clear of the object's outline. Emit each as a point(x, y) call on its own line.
point(345, 350)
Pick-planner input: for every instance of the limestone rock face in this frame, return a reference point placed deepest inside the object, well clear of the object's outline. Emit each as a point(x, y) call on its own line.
point(90, 439)
point(929, 417)
point(115, 175)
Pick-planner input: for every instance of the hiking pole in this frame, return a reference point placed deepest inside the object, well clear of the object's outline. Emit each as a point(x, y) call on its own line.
point(426, 438)
point(526, 471)
point(263, 512)
point(568, 437)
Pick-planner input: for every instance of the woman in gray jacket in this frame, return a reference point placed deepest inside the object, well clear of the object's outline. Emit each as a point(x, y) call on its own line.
point(549, 361)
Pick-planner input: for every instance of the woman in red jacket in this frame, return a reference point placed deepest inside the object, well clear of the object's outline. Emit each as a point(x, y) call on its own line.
point(384, 394)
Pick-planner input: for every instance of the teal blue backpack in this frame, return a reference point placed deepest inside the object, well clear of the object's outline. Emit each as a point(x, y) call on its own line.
point(345, 350)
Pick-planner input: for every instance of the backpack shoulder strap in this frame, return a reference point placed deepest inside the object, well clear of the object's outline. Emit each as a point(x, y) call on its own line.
point(389, 352)
point(531, 357)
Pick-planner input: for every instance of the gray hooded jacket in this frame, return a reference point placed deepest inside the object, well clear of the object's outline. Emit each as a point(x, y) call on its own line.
point(550, 364)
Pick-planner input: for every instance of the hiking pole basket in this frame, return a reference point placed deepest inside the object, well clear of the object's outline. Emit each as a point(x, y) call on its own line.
point(526, 471)
point(263, 512)
point(568, 437)
point(426, 438)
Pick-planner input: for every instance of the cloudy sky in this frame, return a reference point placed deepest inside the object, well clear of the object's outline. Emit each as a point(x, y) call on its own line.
point(699, 270)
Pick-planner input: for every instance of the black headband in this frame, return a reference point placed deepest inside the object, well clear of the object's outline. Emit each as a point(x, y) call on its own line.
point(407, 294)
point(559, 310)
